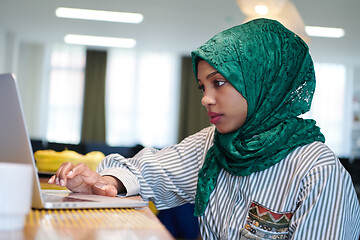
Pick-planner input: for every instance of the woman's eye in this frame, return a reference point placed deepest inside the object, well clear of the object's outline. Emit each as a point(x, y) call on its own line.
point(219, 83)
point(201, 88)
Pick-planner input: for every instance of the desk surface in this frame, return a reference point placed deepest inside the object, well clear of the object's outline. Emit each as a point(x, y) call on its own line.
point(96, 224)
point(91, 224)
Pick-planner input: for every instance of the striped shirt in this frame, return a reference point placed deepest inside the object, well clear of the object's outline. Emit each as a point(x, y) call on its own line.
point(308, 195)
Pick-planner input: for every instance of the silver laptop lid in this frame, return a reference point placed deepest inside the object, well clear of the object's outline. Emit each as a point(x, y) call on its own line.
point(14, 140)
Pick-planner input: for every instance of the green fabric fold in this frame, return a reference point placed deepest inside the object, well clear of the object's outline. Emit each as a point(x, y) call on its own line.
point(272, 68)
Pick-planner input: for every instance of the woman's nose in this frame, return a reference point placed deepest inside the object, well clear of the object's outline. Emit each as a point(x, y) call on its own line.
point(207, 99)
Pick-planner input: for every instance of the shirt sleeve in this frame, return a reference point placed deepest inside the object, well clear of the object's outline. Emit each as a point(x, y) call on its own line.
point(167, 177)
point(328, 206)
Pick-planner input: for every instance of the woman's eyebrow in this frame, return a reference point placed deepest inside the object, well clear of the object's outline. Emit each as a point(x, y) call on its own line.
point(212, 74)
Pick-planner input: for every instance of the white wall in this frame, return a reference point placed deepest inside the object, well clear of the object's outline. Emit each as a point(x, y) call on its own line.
point(2, 51)
point(31, 74)
point(28, 62)
point(9, 54)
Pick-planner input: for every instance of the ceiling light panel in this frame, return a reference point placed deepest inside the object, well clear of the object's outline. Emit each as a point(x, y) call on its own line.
point(98, 15)
point(100, 41)
point(324, 32)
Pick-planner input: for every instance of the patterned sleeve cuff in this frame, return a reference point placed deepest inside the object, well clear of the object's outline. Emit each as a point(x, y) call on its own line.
point(129, 180)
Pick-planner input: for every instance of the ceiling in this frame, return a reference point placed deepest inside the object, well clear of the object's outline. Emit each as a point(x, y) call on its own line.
point(177, 26)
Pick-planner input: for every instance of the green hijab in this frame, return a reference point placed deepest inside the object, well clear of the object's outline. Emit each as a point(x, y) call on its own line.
point(272, 68)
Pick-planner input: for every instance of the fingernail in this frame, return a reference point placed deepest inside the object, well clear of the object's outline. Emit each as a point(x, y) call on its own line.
point(101, 186)
point(69, 173)
point(50, 180)
point(57, 181)
point(62, 182)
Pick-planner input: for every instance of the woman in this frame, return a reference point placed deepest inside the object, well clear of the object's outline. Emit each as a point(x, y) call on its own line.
point(260, 171)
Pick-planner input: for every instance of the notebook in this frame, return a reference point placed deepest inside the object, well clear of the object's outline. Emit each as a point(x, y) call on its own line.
point(15, 147)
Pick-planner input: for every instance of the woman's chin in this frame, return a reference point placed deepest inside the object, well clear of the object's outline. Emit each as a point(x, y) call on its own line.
point(223, 130)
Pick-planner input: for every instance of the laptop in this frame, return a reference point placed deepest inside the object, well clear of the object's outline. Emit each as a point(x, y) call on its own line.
point(15, 147)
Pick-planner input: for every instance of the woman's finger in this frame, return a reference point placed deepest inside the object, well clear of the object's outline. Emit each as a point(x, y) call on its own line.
point(104, 189)
point(62, 173)
point(52, 179)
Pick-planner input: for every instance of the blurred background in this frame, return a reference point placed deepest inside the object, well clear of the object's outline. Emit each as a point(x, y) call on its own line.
point(143, 82)
point(140, 91)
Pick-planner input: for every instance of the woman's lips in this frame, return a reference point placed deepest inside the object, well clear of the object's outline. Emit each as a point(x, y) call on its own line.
point(214, 117)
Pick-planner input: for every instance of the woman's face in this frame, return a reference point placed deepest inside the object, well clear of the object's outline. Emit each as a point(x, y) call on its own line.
point(226, 107)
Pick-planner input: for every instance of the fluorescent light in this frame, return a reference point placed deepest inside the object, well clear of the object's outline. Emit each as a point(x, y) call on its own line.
point(100, 41)
point(324, 32)
point(261, 9)
point(98, 15)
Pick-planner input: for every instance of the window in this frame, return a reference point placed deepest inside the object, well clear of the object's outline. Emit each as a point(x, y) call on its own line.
point(328, 106)
point(141, 98)
point(66, 94)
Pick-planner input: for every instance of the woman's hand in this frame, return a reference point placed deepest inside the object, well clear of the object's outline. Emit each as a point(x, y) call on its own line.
point(81, 178)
